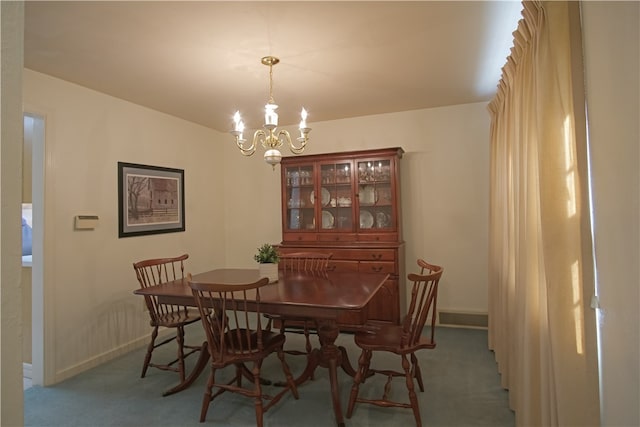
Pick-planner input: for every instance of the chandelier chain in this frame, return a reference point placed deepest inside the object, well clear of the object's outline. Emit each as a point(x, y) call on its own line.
point(271, 101)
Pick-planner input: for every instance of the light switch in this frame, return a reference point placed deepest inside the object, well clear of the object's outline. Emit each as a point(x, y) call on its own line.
point(86, 222)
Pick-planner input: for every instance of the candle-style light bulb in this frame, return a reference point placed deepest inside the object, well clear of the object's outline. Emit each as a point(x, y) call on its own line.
point(303, 116)
point(237, 121)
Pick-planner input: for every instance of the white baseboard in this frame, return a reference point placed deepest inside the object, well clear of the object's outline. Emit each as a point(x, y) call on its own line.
point(106, 356)
point(463, 319)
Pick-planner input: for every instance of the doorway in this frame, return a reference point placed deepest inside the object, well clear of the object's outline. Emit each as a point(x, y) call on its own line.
point(34, 168)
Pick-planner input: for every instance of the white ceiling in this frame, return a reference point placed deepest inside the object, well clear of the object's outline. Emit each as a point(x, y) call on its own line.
point(201, 60)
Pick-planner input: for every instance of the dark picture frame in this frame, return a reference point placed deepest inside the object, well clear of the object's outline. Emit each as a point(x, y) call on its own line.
point(150, 200)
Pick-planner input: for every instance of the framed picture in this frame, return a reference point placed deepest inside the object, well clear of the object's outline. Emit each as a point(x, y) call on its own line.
point(150, 200)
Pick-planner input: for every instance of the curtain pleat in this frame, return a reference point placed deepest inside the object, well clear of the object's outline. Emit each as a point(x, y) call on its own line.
point(539, 252)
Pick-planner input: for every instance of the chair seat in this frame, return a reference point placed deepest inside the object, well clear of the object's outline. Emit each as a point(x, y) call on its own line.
point(176, 318)
point(388, 338)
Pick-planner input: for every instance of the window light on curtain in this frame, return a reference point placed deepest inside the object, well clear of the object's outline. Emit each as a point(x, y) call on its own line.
point(541, 278)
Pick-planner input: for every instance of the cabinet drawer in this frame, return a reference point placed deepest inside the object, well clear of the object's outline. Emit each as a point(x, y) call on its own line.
point(377, 267)
point(378, 237)
point(300, 237)
point(337, 237)
point(365, 254)
point(289, 249)
point(341, 265)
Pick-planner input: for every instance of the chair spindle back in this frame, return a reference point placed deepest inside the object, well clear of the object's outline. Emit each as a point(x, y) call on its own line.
point(155, 271)
point(305, 262)
point(424, 295)
point(231, 318)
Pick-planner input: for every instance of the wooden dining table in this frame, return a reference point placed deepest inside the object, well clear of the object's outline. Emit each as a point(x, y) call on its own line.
point(340, 298)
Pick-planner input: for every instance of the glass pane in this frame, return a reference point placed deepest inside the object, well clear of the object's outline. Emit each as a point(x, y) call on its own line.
point(337, 207)
point(300, 211)
point(375, 194)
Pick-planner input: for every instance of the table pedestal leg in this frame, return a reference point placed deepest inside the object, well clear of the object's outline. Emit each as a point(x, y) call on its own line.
point(328, 356)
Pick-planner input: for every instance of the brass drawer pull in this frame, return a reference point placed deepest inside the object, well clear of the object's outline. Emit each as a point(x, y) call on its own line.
point(376, 256)
point(377, 268)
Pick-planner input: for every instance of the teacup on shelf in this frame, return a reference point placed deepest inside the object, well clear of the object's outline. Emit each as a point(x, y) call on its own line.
point(344, 201)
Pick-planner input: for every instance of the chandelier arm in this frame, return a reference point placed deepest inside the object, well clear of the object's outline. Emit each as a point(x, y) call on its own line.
point(292, 146)
point(252, 148)
point(284, 137)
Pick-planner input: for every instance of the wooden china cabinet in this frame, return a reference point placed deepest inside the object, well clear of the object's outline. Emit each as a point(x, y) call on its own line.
point(348, 204)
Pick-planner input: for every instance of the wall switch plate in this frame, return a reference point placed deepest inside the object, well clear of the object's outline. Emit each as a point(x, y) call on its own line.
point(86, 222)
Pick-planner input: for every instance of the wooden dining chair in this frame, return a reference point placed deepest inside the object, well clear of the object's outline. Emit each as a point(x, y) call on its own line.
point(232, 321)
point(307, 263)
point(152, 272)
point(403, 340)
point(426, 267)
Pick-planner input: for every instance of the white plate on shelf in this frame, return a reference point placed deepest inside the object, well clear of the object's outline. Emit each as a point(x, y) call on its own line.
point(327, 219)
point(368, 195)
point(366, 219)
point(382, 220)
point(325, 197)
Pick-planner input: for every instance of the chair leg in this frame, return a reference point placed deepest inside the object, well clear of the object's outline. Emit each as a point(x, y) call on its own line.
point(308, 347)
point(180, 341)
point(258, 392)
point(306, 337)
point(361, 374)
point(239, 371)
point(206, 399)
point(417, 372)
point(287, 374)
point(412, 393)
point(150, 347)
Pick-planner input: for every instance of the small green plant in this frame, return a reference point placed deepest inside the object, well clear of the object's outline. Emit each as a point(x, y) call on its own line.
point(267, 254)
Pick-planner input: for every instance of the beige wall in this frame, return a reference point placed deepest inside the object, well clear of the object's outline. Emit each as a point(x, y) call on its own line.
point(444, 192)
point(612, 48)
point(233, 204)
point(90, 312)
point(11, 42)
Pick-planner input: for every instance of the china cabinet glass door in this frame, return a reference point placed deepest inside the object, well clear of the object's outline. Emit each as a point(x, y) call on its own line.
point(300, 198)
point(375, 197)
point(336, 188)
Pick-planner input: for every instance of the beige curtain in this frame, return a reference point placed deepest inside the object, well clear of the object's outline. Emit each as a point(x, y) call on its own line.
point(541, 279)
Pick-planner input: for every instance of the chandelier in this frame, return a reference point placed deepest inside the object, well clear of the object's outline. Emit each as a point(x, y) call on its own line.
point(270, 138)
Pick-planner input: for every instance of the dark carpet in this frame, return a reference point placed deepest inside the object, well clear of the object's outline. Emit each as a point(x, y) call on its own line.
point(462, 388)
